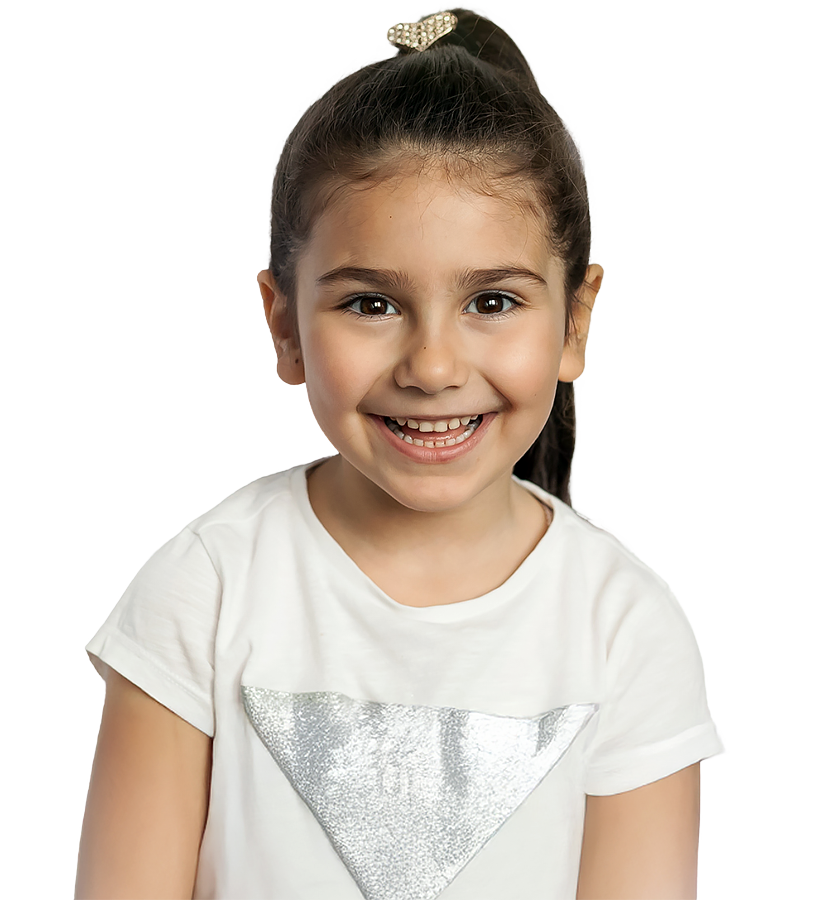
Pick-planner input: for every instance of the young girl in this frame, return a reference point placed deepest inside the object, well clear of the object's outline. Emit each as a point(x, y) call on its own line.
point(409, 670)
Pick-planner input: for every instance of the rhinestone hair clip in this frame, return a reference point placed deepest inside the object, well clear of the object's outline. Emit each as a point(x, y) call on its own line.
point(420, 35)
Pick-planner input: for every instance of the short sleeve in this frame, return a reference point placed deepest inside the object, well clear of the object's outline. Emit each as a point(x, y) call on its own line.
point(655, 719)
point(161, 633)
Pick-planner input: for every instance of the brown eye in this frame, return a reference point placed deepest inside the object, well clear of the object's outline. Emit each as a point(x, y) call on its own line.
point(490, 303)
point(372, 305)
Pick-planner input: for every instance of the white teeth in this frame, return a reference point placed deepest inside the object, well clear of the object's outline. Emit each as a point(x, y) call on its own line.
point(434, 427)
point(439, 426)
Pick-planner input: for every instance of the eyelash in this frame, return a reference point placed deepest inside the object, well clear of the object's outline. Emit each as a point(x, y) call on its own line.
point(348, 305)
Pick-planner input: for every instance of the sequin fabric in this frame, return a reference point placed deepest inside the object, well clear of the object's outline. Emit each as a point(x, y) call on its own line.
point(408, 794)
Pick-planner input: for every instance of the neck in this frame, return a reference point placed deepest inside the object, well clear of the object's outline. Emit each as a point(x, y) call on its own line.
point(347, 502)
point(427, 558)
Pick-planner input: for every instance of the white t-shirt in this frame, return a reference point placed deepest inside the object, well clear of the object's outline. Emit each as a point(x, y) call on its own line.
point(363, 748)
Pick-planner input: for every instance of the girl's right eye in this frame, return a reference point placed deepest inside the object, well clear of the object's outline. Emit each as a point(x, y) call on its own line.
point(371, 305)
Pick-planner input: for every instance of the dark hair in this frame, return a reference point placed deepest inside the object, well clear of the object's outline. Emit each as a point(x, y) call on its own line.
point(470, 100)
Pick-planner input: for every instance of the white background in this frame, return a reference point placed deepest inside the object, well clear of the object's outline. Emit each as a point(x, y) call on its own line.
point(140, 388)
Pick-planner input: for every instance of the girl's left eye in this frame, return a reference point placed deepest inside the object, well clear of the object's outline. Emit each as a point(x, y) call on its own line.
point(491, 303)
point(371, 305)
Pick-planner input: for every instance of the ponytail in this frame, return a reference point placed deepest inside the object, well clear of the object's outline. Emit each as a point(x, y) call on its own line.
point(489, 43)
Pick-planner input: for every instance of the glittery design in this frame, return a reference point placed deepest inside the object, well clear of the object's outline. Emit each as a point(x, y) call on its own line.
point(408, 794)
point(419, 35)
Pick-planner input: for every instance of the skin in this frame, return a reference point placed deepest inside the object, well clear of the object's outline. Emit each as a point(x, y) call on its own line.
point(147, 803)
point(642, 844)
point(431, 355)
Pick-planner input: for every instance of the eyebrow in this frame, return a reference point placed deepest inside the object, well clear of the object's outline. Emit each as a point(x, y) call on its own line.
point(391, 279)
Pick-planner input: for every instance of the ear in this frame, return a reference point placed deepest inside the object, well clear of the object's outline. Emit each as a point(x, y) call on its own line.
point(289, 364)
point(574, 346)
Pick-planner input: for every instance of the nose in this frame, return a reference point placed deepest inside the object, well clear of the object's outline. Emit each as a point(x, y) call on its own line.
point(432, 361)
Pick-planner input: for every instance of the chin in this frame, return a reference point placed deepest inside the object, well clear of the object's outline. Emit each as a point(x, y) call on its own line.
point(431, 493)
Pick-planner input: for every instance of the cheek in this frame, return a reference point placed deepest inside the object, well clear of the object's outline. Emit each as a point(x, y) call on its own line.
point(338, 371)
point(527, 365)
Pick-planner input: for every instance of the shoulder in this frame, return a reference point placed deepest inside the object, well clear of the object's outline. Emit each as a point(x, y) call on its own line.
point(264, 509)
point(250, 501)
point(608, 560)
point(595, 559)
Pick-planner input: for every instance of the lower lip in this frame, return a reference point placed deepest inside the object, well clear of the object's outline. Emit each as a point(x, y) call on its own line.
point(435, 454)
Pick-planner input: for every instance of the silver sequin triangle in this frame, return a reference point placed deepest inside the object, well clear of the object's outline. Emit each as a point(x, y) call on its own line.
point(408, 795)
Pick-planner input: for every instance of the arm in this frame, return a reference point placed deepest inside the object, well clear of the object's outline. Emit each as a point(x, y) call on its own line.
point(642, 844)
point(147, 803)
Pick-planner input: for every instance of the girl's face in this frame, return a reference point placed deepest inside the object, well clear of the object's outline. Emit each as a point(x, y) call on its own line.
point(431, 323)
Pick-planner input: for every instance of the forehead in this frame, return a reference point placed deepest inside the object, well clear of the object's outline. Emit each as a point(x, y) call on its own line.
point(430, 222)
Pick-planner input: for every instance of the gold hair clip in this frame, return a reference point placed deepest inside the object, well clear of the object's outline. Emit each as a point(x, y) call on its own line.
point(419, 35)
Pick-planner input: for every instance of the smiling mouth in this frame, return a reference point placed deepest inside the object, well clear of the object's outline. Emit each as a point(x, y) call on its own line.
point(432, 434)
